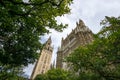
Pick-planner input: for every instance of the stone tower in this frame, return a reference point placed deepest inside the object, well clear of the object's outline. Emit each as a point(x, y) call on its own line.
point(44, 62)
point(80, 36)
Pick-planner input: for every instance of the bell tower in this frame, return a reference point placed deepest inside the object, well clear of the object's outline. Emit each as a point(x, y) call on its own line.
point(44, 62)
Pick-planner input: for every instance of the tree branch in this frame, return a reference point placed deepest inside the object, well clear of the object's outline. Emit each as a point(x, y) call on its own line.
point(54, 4)
point(31, 4)
point(35, 4)
point(114, 62)
point(27, 3)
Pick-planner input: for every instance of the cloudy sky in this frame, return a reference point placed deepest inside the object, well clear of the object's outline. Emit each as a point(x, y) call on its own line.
point(90, 11)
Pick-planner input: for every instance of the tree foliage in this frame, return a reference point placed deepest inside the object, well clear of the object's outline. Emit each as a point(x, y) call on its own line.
point(100, 60)
point(21, 25)
point(55, 74)
point(22, 22)
point(9, 73)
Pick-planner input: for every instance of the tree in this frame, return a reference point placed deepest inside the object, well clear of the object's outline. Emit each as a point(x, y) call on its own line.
point(100, 60)
point(41, 77)
point(55, 74)
point(9, 73)
point(21, 25)
point(22, 22)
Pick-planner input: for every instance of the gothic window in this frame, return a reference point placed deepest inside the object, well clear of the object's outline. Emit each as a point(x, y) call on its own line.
point(71, 38)
point(48, 59)
point(43, 66)
point(48, 48)
point(42, 57)
point(45, 59)
point(48, 43)
point(42, 71)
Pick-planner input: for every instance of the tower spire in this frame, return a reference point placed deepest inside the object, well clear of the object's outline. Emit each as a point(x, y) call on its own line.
point(49, 40)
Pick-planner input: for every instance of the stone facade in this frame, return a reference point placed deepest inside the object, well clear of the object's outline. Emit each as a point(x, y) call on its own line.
point(80, 36)
point(44, 62)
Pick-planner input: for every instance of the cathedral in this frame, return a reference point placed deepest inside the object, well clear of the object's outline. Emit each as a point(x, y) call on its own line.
point(44, 62)
point(80, 36)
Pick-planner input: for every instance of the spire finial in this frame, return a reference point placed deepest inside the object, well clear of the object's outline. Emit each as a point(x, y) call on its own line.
point(81, 22)
point(77, 23)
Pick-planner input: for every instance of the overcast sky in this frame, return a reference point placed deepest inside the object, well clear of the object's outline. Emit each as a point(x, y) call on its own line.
point(90, 11)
